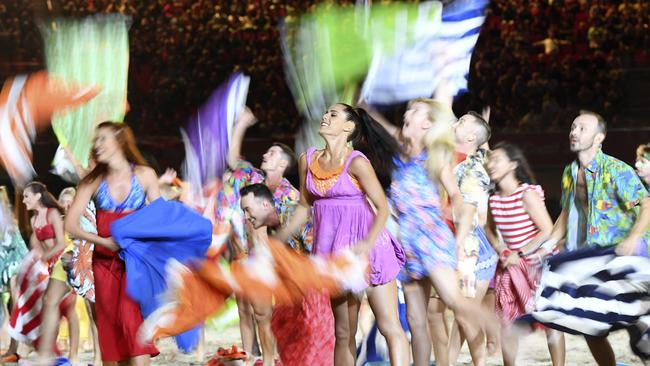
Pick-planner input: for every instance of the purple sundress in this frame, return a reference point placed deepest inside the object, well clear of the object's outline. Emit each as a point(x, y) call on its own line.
point(343, 216)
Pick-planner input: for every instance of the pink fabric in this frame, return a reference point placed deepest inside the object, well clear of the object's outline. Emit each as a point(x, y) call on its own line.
point(515, 290)
point(342, 217)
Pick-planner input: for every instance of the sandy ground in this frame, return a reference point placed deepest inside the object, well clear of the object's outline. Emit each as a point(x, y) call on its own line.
point(533, 351)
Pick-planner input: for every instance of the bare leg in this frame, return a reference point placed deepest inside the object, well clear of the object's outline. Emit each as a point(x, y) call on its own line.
point(13, 295)
point(200, 348)
point(354, 304)
point(73, 329)
point(417, 294)
point(90, 309)
point(457, 337)
point(263, 318)
point(468, 315)
point(343, 331)
point(509, 345)
point(602, 351)
point(246, 325)
point(143, 360)
point(383, 301)
point(556, 346)
point(489, 305)
point(439, 330)
point(54, 293)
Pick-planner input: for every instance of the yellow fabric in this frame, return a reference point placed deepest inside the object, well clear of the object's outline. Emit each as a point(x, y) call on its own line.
point(84, 323)
point(58, 273)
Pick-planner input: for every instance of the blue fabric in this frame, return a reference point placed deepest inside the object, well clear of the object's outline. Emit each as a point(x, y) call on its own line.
point(149, 238)
point(487, 258)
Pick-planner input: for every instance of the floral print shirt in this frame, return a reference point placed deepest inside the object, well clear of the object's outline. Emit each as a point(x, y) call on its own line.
point(285, 195)
point(474, 185)
point(614, 193)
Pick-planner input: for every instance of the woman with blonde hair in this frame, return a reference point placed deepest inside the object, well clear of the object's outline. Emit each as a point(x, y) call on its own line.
point(421, 181)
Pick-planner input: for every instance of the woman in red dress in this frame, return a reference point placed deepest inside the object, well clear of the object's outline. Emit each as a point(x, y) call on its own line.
point(120, 183)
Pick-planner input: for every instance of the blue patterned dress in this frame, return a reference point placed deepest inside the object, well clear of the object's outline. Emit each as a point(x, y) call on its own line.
point(427, 240)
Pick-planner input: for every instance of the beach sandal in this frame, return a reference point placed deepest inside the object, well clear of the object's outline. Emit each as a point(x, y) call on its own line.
point(228, 357)
point(232, 353)
point(13, 358)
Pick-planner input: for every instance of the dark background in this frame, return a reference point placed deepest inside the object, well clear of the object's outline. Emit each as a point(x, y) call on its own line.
point(181, 50)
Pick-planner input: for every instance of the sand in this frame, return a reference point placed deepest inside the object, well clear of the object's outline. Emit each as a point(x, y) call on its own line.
point(533, 351)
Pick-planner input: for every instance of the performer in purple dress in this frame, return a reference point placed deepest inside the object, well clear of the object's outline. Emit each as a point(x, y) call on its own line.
point(340, 182)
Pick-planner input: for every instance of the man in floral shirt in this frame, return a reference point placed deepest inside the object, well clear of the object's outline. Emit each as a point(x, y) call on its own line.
point(604, 204)
point(305, 332)
point(275, 162)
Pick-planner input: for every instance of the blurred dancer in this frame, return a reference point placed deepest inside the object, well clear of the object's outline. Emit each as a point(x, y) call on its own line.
point(519, 214)
point(340, 182)
point(120, 183)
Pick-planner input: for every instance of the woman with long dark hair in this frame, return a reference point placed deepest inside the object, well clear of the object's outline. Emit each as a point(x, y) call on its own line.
point(517, 211)
point(47, 244)
point(339, 181)
point(120, 183)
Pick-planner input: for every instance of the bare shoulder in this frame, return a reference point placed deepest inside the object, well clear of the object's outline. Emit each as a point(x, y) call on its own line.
point(360, 165)
point(54, 215)
point(145, 173)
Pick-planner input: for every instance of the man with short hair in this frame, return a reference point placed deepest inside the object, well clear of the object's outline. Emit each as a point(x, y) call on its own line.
point(604, 204)
point(305, 332)
point(476, 268)
point(277, 160)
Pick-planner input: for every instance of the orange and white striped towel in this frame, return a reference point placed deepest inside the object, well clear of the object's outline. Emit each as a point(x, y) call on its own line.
point(273, 274)
point(27, 103)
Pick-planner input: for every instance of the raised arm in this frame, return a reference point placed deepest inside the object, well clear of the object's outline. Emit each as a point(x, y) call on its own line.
point(245, 120)
point(71, 223)
point(301, 213)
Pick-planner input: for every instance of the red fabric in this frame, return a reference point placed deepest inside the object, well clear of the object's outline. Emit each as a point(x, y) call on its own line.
point(515, 290)
point(26, 315)
point(446, 205)
point(118, 316)
point(305, 332)
point(46, 231)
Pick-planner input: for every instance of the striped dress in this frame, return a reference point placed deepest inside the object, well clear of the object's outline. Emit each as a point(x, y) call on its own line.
point(515, 286)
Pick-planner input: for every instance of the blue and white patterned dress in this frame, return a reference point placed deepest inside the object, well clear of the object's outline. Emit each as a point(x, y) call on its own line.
point(427, 240)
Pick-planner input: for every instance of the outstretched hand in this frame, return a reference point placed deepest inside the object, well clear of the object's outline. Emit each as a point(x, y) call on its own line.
point(168, 177)
point(246, 118)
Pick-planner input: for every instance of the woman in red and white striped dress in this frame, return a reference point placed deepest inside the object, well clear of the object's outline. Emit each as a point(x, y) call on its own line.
point(518, 213)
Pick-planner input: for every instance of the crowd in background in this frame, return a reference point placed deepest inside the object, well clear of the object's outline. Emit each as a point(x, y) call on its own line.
point(535, 63)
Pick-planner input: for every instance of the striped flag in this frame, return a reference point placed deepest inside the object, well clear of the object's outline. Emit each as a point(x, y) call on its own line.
point(436, 64)
point(592, 292)
point(27, 102)
point(25, 322)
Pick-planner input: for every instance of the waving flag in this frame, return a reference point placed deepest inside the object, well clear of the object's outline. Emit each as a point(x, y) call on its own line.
point(436, 63)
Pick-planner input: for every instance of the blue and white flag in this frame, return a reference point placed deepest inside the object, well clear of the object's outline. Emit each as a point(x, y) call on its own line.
point(436, 64)
point(592, 292)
